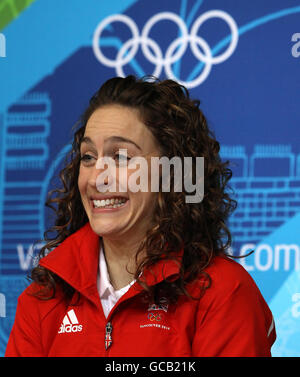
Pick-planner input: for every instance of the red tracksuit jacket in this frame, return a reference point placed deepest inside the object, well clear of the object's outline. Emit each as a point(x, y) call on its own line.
point(231, 319)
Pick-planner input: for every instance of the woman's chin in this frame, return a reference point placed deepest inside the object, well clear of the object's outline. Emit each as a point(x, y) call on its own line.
point(106, 229)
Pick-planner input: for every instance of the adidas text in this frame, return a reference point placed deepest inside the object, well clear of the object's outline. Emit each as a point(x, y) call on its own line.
point(69, 328)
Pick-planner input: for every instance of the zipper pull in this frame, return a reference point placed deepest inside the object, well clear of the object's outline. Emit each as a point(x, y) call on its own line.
point(108, 338)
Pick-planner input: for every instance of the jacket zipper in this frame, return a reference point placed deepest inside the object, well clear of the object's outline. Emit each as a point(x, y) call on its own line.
point(108, 336)
point(108, 327)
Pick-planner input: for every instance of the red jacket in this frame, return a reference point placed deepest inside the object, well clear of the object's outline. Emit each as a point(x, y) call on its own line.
point(231, 319)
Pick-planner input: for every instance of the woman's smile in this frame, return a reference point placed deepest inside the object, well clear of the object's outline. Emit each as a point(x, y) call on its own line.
point(111, 204)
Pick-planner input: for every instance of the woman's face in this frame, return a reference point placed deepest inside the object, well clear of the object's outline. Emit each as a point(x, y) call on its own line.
point(110, 129)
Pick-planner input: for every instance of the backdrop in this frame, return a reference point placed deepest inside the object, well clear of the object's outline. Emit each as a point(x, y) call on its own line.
point(240, 58)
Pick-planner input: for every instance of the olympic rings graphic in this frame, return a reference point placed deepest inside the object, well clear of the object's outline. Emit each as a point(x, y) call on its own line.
point(176, 49)
point(154, 317)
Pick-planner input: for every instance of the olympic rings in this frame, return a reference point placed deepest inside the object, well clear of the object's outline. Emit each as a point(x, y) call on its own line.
point(165, 16)
point(144, 41)
point(176, 49)
point(103, 24)
point(154, 317)
point(205, 72)
point(234, 35)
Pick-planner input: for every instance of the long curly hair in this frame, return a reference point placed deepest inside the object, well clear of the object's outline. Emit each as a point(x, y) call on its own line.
point(180, 129)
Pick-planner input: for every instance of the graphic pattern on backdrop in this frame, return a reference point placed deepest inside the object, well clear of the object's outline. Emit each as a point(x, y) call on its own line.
point(175, 50)
point(214, 50)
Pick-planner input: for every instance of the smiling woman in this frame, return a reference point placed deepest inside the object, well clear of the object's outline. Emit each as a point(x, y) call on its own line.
point(141, 272)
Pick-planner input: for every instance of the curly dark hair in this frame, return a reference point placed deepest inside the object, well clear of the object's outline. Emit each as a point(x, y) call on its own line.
point(180, 129)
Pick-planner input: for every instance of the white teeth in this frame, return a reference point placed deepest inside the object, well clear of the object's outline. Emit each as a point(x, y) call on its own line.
point(109, 203)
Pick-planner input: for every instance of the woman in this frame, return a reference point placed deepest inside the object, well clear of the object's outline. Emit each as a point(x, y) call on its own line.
point(140, 272)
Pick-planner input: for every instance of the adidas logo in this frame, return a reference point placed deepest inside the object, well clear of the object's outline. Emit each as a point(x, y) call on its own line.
point(70, 323)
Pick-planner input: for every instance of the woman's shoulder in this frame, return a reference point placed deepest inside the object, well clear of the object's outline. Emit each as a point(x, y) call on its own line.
point(226, 269)
point(37, 302)
point(229, 278)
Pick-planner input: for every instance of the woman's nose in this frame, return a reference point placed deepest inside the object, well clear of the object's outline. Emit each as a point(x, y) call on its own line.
point(103, 177)
point(94, 177)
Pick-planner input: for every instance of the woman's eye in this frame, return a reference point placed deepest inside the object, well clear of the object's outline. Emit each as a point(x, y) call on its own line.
point(122, 157)
point(86, 158)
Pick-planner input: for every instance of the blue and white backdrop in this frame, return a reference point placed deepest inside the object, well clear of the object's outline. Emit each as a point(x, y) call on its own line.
point(240, 58)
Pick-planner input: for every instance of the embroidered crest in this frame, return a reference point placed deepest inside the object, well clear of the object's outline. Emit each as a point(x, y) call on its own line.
point(162, 305)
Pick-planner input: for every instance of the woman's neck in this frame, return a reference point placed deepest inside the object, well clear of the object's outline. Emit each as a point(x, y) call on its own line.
point(120, 260)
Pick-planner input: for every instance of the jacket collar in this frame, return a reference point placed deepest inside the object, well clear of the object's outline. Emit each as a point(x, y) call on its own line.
point(76, 261)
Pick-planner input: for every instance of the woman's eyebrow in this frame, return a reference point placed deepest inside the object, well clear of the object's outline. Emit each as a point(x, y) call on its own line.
point(123, 140)
point(88, 140)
